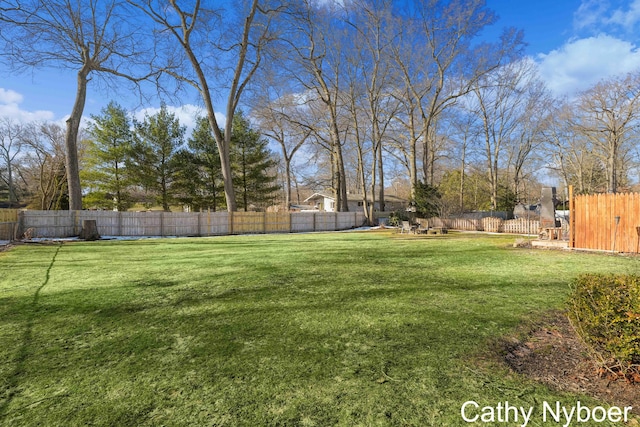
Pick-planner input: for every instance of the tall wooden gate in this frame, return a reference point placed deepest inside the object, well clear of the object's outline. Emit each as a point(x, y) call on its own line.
point(609, 222)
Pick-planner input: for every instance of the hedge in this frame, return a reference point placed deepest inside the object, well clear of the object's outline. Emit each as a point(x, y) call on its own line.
point(605, 311)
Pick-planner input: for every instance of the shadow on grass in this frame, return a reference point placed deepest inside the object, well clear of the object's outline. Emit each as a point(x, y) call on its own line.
point(13, 379)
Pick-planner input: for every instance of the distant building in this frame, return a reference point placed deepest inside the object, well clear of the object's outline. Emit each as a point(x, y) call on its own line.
point(324, 203)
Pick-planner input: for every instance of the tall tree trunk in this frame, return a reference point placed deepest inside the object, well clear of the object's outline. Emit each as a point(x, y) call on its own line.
point(381, 177)
point(12, 190)
point(613, 173)
point(344, 205)
point(413, 157)
point(462, 177)
point(71, 142)
point(287, 171)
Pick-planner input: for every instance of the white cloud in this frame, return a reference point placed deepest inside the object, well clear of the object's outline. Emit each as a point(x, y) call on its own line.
point(10, 101)
point(590, 12)
point(598, 15)
point(10, 96)
point(187, 115)
point(581, 63)
point(626, 18)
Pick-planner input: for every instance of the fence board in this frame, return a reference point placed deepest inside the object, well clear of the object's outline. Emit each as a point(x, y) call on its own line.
point(69, 223)
point(303, 222)
point(7, 230)
point(9, 215)
point(498, 225)
point(595, 221)
point(214, 223)
point(277, 222)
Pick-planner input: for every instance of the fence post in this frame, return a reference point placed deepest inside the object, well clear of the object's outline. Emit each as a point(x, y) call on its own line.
point(19, 226)
point(75, 223)
point(572, 219)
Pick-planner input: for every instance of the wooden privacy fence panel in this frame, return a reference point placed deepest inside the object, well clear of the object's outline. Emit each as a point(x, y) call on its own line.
point(7, 230)
point(9, 215)
point(69, 223)
point(247, 222)
point(214, 223)
point(490, 224)
point(303, 222)
point(595, 225)
point(344, 219)
point(277, 222)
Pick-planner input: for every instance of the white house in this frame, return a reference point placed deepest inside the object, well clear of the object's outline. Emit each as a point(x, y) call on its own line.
point(325, 203)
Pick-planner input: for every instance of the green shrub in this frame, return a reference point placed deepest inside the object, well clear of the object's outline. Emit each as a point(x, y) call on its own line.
point(396, 218)
point(605, 311)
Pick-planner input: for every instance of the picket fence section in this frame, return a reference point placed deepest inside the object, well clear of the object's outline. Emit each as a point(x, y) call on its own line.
point(608, 222)
point(52, 224)
point(494, 225)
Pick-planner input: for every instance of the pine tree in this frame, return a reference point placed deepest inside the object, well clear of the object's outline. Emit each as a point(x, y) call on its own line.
point(198, 180)
point(252, 164)
point(156, 140)
point(105, 171)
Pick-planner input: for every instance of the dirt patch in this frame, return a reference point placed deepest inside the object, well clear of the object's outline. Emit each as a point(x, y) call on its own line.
point(6, 247)
point(553, 354)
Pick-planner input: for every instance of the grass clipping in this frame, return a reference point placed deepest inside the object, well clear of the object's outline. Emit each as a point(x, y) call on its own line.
point(605, 312)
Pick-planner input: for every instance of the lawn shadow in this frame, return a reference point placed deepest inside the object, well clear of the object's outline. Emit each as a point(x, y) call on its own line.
point(13, 379)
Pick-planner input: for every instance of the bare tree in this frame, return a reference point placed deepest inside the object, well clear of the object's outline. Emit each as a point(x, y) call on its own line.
point(465, 130)
point(90, 37)
point(571, 153)
point(502, 104)
point(371, 84)
point(11, 141)
point(608, 115)
point(316, 64)
point(278, 121)
point(437, 65)
point(523, 148)
point(208, 46)
point(43, 167)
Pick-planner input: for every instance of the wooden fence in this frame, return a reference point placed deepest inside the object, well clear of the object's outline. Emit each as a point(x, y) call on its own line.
point(9, 215)
point(495, 225)
point(69, 223)
point(8, 222)
point(606, 222)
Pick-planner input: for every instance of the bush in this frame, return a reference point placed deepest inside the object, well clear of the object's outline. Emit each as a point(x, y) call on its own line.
point(396, 218)
point(605, 311)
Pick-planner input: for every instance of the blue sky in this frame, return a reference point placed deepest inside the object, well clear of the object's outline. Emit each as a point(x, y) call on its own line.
point(575, 42)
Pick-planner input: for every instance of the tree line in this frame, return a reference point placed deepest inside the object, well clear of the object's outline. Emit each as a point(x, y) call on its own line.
point(361, 97)
point(128, 163)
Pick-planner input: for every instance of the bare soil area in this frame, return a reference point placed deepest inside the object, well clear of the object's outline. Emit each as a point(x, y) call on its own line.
point(553, 354)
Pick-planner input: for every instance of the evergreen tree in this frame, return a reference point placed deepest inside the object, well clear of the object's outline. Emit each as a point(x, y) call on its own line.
point(156, 140)
point(198, 180)
point(252, 164)
point(105, 171)
point(426, 200)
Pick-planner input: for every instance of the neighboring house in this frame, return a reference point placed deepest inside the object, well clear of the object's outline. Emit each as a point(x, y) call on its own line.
point(322, 202)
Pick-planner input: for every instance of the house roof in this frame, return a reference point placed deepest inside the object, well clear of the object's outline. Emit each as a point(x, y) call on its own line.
point(316, 196)
point(354, 197)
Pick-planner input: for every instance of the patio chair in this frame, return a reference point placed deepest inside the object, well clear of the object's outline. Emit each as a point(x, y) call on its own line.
point(406, 227)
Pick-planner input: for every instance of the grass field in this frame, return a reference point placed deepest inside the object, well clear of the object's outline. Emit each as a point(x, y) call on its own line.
point(367, 329)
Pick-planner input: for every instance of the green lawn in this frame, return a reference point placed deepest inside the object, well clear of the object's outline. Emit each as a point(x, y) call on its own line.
point(290, 330)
